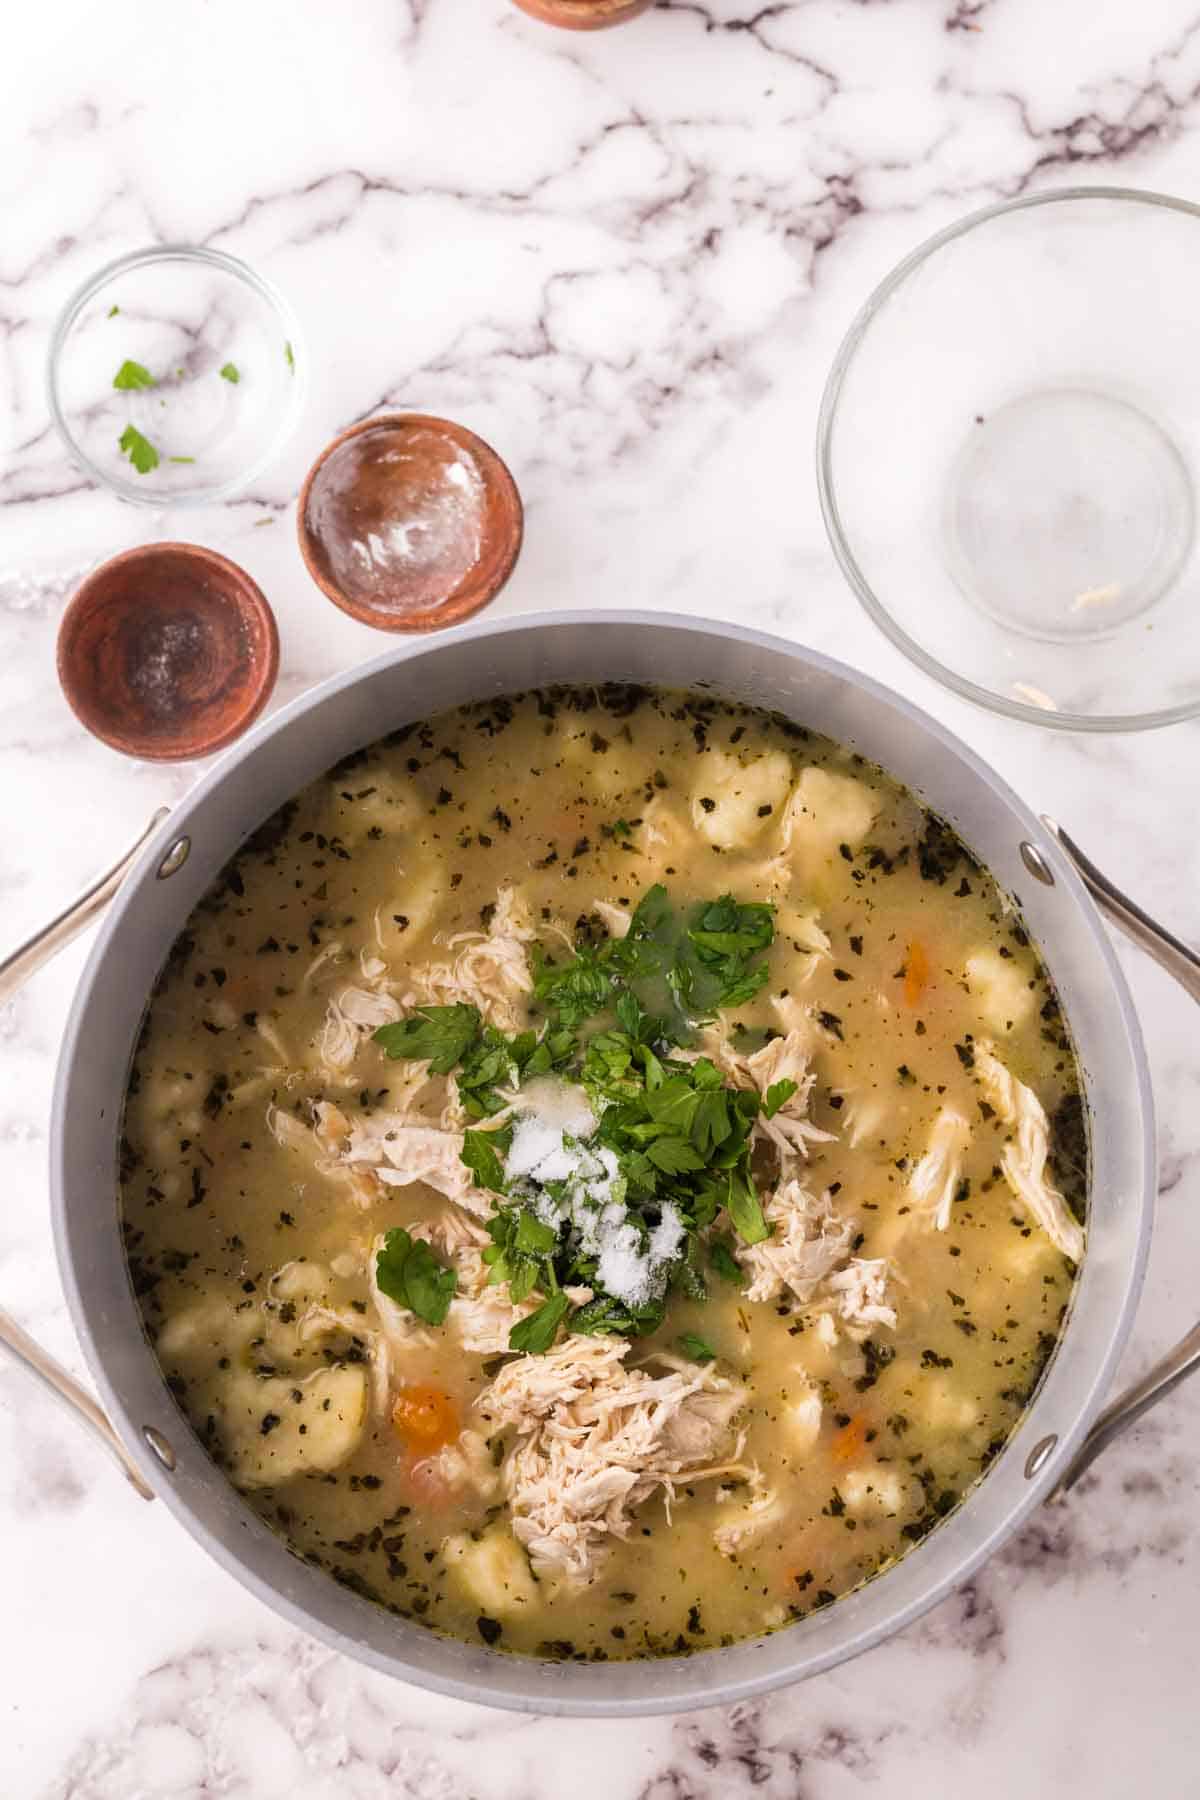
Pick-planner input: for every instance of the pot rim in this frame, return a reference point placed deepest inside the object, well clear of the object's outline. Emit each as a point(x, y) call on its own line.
point(588, 1690)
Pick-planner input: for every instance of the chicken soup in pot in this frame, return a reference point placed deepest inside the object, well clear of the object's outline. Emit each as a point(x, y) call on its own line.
point(603, 1172)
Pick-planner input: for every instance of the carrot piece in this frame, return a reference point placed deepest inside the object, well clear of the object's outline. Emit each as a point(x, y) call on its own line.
point(850, 1441)
point(917, 971)
point(426, 1417)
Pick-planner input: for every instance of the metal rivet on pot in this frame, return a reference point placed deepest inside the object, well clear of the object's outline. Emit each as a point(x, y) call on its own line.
point(159, 1444)
point(1039, 1456)
point(176, 856)
point(1037, 865)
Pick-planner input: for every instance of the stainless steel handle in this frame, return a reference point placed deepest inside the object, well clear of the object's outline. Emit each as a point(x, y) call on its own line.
point(1128, 1407)
point(1181, 962)
point(22, 1348)
point(1154, 939)
point(15, 970)
point(25, 961)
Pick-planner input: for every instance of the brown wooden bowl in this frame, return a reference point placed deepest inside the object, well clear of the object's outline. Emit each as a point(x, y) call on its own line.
point(584, 15)
point(409, 522)
point(167, 652)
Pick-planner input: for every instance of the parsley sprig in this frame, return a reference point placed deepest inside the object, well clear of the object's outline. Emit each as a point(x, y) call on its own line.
point(140, 451)
point(456, 1038)
point(678, 1136)
point(690, 965)
point(409, 1273)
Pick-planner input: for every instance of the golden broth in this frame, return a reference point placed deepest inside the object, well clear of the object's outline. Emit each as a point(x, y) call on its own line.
point(576, 797)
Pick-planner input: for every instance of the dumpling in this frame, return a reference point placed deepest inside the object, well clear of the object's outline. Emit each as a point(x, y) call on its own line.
point(1002, 988)
point(382, 802)
point(493, 1570)
point(274, 1427)
point(415, 895)
point(825, 812)
point(800, 1419)
point(664, 841)
point(734, 802)
point(604, 766)
point(874, 1489)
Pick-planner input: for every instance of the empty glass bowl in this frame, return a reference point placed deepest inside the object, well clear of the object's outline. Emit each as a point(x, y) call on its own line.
point(1006, 457)
point(175, 375)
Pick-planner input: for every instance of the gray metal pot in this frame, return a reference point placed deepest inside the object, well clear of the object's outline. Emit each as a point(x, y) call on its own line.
point(152, 1438)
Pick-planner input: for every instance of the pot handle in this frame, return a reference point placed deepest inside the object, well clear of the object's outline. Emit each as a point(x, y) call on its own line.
point(15, 970)
point(21, 1347)
point(1181, 962)
point(45, 944)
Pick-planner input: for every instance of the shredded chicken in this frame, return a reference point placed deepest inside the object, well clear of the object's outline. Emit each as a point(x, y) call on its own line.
point(323, 1143)
point(935, 1178)
point(663, 833)
point(483, 1316)
point(320, 1323)
point(327, 957)
point(1024, 1162)
point(863, 1116)
point(804, 932)
point(596, 1438)
point(301, 1287)
point(785, 1058)
point(332, 1128)
point(400, 1153)
point(859, 1295)
point(462, 1467)
point(288, 1131)
point(614, 918)
point(805, 937)
point(274, 1042)
point(795, 1015)
point(748, 1523)
point(352, 1014)
point(490, 969)
point(457, 1237)
point(457, 1240)
point(809, 1241)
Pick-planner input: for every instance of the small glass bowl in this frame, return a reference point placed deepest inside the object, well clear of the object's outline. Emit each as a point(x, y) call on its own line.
point(1006, 454)
point(221, 348)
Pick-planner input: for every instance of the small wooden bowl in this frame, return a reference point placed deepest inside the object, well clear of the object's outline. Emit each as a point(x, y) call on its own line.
point(409, 522)
point(584, 15)
point(167, 652)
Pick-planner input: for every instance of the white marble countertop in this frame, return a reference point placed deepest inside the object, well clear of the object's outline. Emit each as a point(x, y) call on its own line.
point(626, 259)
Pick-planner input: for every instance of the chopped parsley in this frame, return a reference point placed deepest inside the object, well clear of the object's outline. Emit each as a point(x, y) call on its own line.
point(670, 1149)
point(480, 1155)
point(456, 1038)
point(230, 372)
point(777, 1095)
point(686, 967)
point(132, 375)
point(721, 1256)
point(139, 450)
point(536, 1333)
point(409, 1273)
point(440, 1035)
point(696, 1347)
